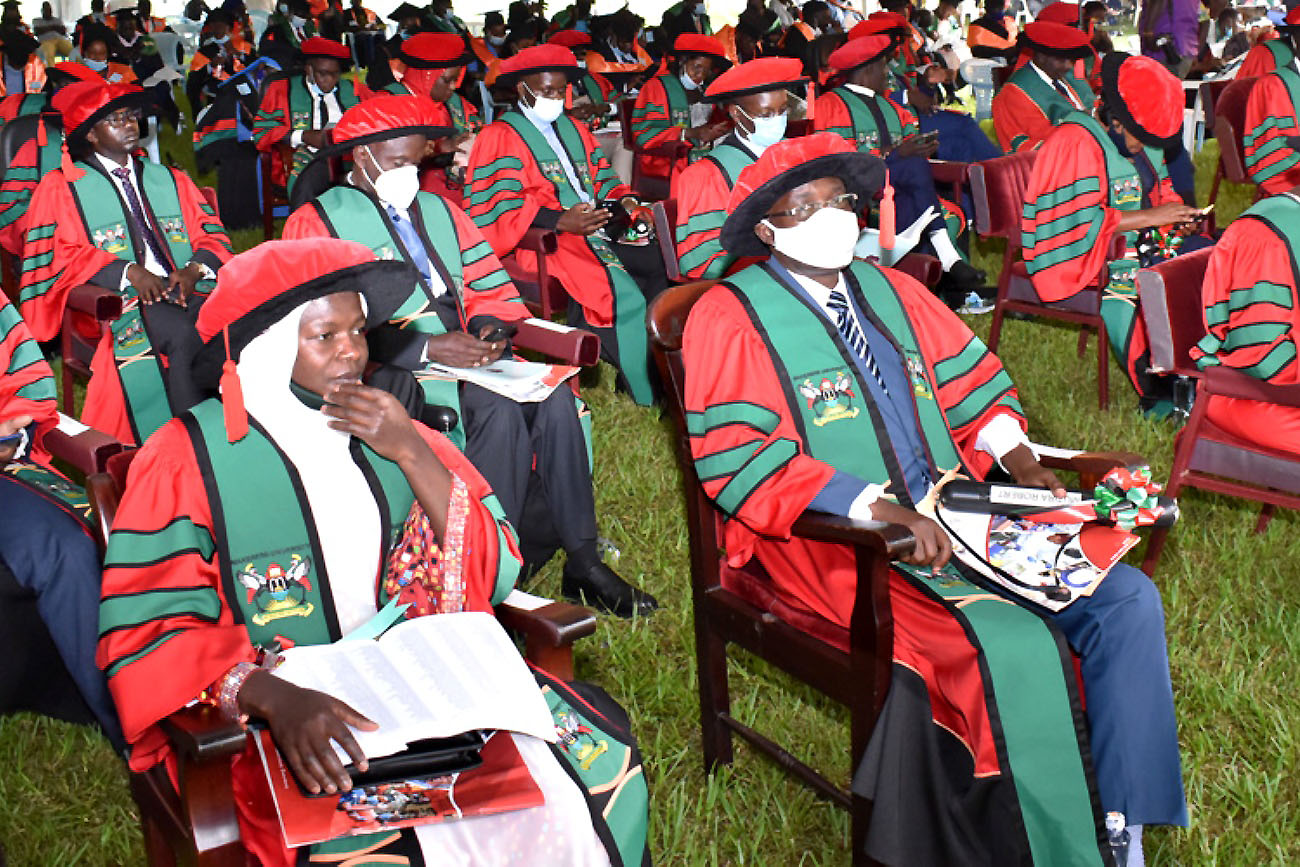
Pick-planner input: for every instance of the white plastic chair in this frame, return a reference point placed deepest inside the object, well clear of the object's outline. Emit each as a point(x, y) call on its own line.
point(978, 72)
point(258, 18)
point(168, 43)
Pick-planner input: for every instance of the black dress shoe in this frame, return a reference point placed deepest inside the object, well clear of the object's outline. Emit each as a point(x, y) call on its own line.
point(599, 586)
point(964, 276)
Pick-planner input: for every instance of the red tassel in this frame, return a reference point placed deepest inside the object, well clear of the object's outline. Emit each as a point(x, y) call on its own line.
point(41, 138)
point(70, 171)
point(568, 97)
point(232, 397)
point(887, 215)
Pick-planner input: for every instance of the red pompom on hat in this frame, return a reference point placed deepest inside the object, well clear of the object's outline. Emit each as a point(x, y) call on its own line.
point(1143, 96)
point(756, 76)
point(1058, 40)
point(434, 51)
point(1060, 13)
point(789, 164)
point(570, 39)
point(698, 43)
point(258, 288)
point(319, 46)
point(858, 52)
point(547, 57)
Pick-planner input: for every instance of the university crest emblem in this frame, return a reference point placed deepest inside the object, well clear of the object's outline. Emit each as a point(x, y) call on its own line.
point(279, 592)
point(577, 739)
point(830, 401)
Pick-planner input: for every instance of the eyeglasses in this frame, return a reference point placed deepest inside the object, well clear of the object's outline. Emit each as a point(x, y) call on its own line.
point(123, 117)
point(844, 201)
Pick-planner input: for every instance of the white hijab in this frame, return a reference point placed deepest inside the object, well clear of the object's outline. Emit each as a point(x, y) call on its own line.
point(342, 505)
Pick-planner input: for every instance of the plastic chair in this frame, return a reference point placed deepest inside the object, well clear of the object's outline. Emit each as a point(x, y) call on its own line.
point(978, 72)
point(170, 50)
point(1205, 455)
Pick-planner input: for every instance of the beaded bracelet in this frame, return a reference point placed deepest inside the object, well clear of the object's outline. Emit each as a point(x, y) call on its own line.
point(228, 690)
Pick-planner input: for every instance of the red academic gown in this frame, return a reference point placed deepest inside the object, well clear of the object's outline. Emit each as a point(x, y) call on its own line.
point(517, 191)
point(1021, 122)
point(1252, 316)
point(1270, 119)
point(26, 380)
point(702, 192)
point(73, 260)
point(653, 123)
point(150, 679)
point(1263, 58)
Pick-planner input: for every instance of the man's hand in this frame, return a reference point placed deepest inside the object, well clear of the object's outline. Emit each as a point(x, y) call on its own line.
point(582, 219)
point(708, 132)
point(317, 138)
point(915, 146)
point(303, 722)
point(933, 547)
point(180, 284)
point(148, 285)
point(377, 419)
point(9, 427)
point(1171, 213)
point(1026, 470)
point(458, 349)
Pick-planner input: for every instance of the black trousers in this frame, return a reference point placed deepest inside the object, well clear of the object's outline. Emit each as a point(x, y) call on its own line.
point(534, 456)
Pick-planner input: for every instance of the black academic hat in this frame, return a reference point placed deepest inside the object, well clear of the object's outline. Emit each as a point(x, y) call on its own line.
point(406, 10)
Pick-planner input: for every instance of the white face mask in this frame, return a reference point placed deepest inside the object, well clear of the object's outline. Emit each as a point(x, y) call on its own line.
point(396, 187)
point(543, 108)
point(767, 130)
point(496, 41)
point(824, 240)
point(688, 82)
point(96, 65)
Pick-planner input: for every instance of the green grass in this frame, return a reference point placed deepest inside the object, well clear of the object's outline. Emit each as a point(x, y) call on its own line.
point(1233, 628)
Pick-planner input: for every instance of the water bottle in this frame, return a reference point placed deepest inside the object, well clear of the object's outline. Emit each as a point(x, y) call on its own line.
point(1118, 837)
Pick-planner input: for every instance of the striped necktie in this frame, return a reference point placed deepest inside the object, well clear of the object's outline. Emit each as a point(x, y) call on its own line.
point(847, 324)
point(141, 221)
point(1066, 92)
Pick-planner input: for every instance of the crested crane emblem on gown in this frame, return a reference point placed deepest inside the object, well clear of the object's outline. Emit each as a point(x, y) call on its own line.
point(279, 592)
point(830, 400)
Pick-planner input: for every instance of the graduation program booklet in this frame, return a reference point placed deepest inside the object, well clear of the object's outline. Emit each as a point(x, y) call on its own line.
point(426, 678)
point(521, 381)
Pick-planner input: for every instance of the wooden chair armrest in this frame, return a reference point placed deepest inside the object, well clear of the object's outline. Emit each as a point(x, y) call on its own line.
point(575, 346)
point(891, 540)
point(84, 448)
point(199, 733)
point(103, 304)
point(1226, 382)
point(540, 241)
point(1090, 466)
point(549, 628)
point(949, 171)
point(101, 491)
point(672, 150)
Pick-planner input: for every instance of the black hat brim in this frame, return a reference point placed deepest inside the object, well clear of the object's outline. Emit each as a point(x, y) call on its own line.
point(385, 284)
point(344, 65)
point(733, 95)
point(1080, 53)
point(1119, 109)
point(572, 73)
point(860, 172)
point(406, 10)
point(416, 63)
point(143, 100)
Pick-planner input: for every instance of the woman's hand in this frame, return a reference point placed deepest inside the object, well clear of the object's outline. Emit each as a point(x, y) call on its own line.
point(303, 723)
point(377, 419)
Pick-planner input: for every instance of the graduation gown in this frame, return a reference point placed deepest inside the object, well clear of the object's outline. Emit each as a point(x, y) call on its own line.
point(286, 107)
point(516, 182)
point(1272, 159)
point(1252, 318)
point(702, 191)
point(31, 163)
point(1264, 57)
point(1079, 188)
point(62, 251)
point(1026, 108)
point(952, 721)
point(661, 113)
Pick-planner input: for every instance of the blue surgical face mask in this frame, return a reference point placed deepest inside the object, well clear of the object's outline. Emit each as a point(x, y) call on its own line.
point(700, 10)
point(96, 65)
point(767, 130)
point(688, 82)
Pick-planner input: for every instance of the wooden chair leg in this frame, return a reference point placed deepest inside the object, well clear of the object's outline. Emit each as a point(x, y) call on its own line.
point(1155, 547)
point(1103, 368)
point(715, 699)
point(69, 398)
point(1083, 340)
point(995, 330)
point(1265, 515)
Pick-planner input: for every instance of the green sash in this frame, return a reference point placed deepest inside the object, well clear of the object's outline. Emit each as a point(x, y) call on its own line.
point(731, 161)
point(111, 229)
point(48, 158)
point(459, 115)
point(1031, 699)
point(351, 214)
point(840, 425)
point(864, 122)
point(300, 109)
point(270, 557)
point(629, 302)
point(1281, 51)
point(679, 111)
point(1054, 106)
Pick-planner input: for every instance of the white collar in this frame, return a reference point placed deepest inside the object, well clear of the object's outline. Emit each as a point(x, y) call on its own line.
point(857, 88)
point(110, 165)
point(818, 291)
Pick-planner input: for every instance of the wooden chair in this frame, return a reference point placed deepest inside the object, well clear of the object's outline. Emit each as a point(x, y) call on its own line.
point(273, 195)
point(1229, 110)
point(541, 290)
point(647, 186)
point(953, 175)
point(196, 822)
point(735, 607)
point(1205, 455)
point(998, 190)
point(738, 606)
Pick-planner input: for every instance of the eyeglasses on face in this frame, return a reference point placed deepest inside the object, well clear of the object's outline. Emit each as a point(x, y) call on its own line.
point(123, 117)
point(844, 202)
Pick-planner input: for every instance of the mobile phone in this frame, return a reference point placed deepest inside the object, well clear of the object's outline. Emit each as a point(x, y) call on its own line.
point(619, 219)
point(928, 137)
point(504, 331)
